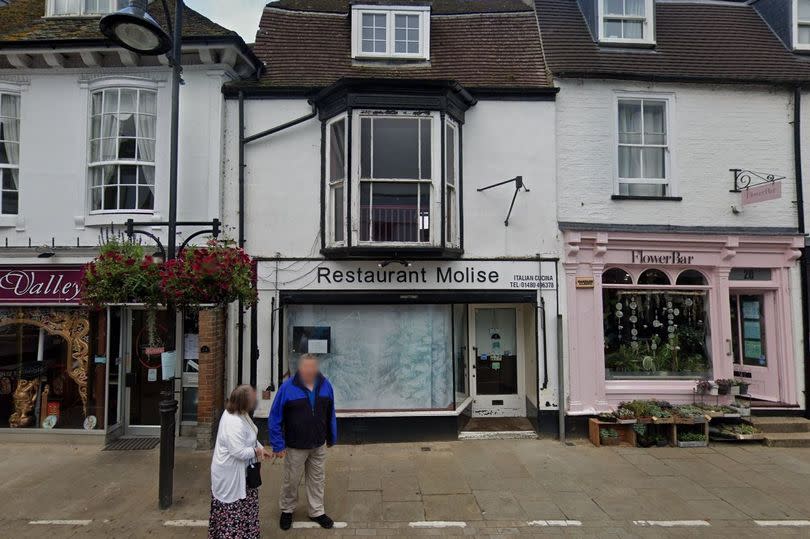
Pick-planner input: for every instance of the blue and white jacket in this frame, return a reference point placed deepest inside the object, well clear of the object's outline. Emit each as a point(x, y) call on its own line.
point(295, 423)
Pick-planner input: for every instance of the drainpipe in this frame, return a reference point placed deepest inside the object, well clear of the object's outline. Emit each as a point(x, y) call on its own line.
point(803, 262)
point(254, 323)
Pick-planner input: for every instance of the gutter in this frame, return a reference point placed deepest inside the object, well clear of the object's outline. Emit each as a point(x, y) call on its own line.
point(803, 262)
point(254, 315)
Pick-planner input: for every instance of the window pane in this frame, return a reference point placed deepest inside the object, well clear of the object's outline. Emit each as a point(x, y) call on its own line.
point(10, 204)
point(128, 101)
point(126, 125)
point(450, 218)
point(374, 32)
point(95, 199)
point(653, 276)
point(365, 211)
point(394, 213)
point(95, 102)
point(406, 33)
point(613, 28)
point(129, 175)
point(337, 151)
point(691, 278)
point(614, 7)
point(804, 10)
point(629, 162)
point(634, 7)
point(656, 333)
point(146, 175)
point(128, 197)
point(450, 155)
point(110, 101)
point(616, 276)
point(424, 212)
point(804, 34)
point(365, 147)
point(655, 122)
point(752, 322)
point(425, 149)
point(146, 198)
point(632, 29)
point(9, 153)
point(337, 211)
point(643, 189)
point(654, 163)
point(9, 178)
point(396, 148)
point(148, 102)
point(630, 122)
point(110, 198)
point(126, 148)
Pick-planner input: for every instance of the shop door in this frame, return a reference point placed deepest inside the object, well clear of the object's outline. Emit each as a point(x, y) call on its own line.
point(752, 346)
point(498, 373)
point(144, 383)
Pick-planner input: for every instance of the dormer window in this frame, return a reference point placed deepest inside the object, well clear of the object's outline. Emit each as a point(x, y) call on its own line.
point(391, 32)
point(626, 21)
point(801, 9)
point(84, 8)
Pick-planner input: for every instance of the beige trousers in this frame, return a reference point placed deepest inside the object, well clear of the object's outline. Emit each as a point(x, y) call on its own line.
point(298, 462)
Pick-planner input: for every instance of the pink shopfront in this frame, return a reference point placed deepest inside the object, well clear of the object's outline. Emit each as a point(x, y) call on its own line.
point(650, 314)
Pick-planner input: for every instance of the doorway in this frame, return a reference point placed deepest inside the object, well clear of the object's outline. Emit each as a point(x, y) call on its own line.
point(142, 342)
point(753, 346)
point(498, 356)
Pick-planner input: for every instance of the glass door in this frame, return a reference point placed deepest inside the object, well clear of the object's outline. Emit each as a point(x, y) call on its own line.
point(498, 373)
point(147, 336)
point(752, 315)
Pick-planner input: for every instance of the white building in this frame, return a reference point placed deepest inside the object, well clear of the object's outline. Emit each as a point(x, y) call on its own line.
point(674, 272)
point(376, 246)
point(84, 146)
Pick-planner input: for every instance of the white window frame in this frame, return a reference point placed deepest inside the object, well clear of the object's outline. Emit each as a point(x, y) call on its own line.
point(330, 185)
point(796, 24)
point(121, 84)
point(390, 15)
point(648, 24)
point(452, 234)
point(669, 175)
point(10, 166)
point(81, 10)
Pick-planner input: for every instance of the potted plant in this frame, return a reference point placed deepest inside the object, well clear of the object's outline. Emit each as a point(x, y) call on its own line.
point(724, 386)
point(743, 386)
point(609, 436)
point(624, 415)
point(705, 387)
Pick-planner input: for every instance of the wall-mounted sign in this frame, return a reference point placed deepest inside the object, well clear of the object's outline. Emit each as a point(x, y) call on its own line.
point(669, 258)
point(311, 339)
point(32, 284)
point(429, 275)
point(585, 282)
point(761, 193)
point(750, 274)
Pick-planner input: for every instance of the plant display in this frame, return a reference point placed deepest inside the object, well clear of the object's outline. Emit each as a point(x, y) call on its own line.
point(648, 408)
point(739, 428)
point(609, 434)
point(691, 437)
point(724, 385)
point(703, 387)
point(121, 273)
point(217, 273)
point(743, 385)
point(688, 411)
point(624, 413)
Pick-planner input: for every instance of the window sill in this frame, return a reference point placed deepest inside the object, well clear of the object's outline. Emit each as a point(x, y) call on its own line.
point(629, 44)
point(104, 219)
point(9, 221)
point(634, 197)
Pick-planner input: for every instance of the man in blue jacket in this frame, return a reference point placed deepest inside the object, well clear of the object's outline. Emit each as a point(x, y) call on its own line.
point(302, 425)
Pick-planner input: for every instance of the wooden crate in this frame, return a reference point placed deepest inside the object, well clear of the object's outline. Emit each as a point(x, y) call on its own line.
point(686, 426)
point(627, 436)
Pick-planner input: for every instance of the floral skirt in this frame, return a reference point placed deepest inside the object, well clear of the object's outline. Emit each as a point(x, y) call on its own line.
point(237, 520)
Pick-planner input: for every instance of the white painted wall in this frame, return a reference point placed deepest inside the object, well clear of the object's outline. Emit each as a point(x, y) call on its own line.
point(54, 199)
point(714, 128)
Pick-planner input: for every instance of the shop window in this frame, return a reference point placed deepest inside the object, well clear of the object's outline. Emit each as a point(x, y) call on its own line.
point(47, 379)
point(691, 278)
point(660, 332)
point(616, 276)
point(653, 276)
point(378, 357)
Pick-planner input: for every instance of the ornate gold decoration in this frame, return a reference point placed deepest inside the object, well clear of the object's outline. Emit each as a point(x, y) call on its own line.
point(71, 324)
point(24, 398)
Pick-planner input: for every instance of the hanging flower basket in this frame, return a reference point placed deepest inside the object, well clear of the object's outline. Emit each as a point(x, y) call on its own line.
point(121, 274)
point(218, 274)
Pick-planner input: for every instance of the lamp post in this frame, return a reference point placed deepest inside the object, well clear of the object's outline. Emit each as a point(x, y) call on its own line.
point(134, 29)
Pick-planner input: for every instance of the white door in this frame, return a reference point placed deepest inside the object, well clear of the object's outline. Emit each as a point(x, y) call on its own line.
point(498, 373)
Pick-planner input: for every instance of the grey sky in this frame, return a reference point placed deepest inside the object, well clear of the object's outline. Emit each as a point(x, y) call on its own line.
point(239, 15)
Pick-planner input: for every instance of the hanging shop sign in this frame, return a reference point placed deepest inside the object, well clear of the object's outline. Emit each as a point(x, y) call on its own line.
point(426, 275)
point(31, 284)
point(761, 193)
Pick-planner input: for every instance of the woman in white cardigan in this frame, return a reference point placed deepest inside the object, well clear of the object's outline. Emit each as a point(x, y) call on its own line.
point(234, 506)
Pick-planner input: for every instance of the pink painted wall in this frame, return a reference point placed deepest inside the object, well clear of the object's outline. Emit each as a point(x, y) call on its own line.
point(588, 254)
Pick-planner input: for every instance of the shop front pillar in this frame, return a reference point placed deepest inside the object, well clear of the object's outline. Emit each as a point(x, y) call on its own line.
point(211, 391)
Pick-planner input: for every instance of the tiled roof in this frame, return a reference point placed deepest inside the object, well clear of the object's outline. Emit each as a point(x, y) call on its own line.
point(22, 21)
point(694, 41)
point(304, 49)
point(439, 7)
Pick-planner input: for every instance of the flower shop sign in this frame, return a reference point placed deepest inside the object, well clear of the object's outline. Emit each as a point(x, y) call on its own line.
point(32, 284)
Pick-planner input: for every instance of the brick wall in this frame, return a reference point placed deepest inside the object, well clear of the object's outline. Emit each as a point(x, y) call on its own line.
point(211, 392)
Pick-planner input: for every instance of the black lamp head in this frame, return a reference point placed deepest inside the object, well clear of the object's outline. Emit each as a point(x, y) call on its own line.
point(135, 29)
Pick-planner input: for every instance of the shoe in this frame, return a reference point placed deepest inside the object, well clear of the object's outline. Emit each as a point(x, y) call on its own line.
point(324, 521)
point(285, 522)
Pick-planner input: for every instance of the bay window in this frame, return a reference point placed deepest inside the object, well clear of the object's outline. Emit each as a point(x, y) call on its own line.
point(78, 8)
point(626, 21)
point(9, 153)
point(656, 325)
point(643, 147)
point(123, 124)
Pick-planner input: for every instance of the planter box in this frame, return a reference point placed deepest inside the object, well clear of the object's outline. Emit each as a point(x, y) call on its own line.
point(627, 436)
point(694, 420)
point(700, 443)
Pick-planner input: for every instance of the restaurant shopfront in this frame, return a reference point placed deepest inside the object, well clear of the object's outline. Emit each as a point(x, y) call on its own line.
point(413, 349)
point(651, 314)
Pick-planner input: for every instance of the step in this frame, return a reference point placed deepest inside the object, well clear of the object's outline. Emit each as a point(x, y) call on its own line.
point(788, 439)
point(781, 424)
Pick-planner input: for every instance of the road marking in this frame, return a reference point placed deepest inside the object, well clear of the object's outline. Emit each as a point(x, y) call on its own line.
point(186, 523)
point(772, 523)
point(302, 525)
point(61, 522)
point(557, 523)
point(437, 524)
point(671, 523)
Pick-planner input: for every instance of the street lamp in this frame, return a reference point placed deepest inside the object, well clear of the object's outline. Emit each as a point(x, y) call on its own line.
point(134, 29)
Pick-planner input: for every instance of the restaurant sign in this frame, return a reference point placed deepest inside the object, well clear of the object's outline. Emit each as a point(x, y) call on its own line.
point(47, 284)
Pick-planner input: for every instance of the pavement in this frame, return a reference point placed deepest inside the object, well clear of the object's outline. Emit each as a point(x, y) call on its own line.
point(487, 488)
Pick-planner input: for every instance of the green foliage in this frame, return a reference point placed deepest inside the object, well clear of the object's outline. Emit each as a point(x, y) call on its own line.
point(691, 437)
point(121, 274)
point(608, 434)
